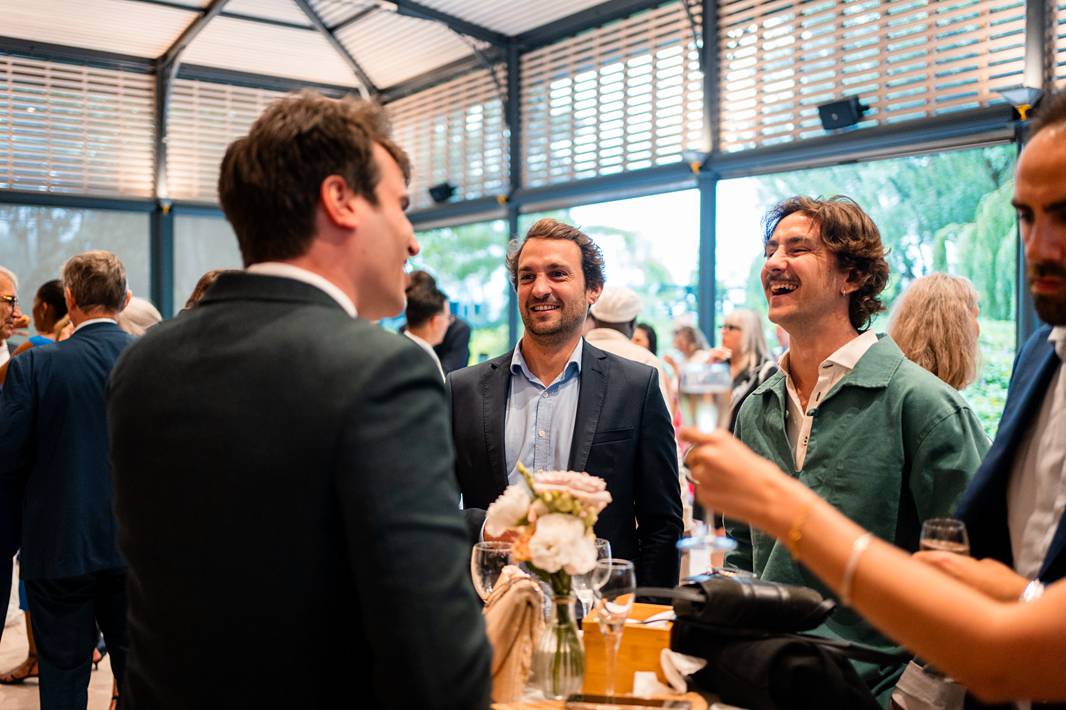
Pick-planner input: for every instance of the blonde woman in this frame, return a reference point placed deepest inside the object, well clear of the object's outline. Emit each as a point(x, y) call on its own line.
point(934, 323)
point(744, 348)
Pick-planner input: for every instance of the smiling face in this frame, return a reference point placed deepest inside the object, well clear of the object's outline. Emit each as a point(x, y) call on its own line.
point(552, 297)
point(8, 312)
point(1040, 199)
point(803, 283)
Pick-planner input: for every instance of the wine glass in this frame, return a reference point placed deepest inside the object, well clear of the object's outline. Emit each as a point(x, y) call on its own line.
point(705, 391)
point(584, 585)
point(945, 535)
point(616, 583)
point(486, 564)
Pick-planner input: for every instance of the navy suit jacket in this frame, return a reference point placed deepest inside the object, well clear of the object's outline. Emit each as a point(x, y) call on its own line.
point(53, 436)
point(622, 433)
point(983, 506)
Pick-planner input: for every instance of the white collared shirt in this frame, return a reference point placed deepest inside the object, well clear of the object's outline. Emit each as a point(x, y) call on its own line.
point(830, 372)
point(4, 354)
point(94, 320)
point(288, 271)
point(1036, 494)
point(428, 348)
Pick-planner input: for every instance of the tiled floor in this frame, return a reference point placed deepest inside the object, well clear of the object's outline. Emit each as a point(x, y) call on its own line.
point(24, 697)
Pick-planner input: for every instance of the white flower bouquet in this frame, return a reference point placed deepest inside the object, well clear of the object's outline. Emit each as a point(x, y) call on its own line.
point(553, 513)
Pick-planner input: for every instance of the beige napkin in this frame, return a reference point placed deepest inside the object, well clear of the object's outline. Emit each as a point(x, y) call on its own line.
point(514, 620)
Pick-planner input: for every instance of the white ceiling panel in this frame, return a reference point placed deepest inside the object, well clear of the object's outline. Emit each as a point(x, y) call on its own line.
point(284, 10)
point(263, 49)
point(333, 12)
point(391, 48)
point(511, 18)
point(140, 29)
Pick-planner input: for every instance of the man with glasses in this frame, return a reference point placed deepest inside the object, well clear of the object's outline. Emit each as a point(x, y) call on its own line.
point(10, 498)
point(9, 312)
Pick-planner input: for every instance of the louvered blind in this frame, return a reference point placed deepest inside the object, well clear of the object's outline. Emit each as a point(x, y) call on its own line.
point(71, 129)
point(906, 59)
point(455, 133)
point(1059, 35)
point(622, 97)
point(204, 118)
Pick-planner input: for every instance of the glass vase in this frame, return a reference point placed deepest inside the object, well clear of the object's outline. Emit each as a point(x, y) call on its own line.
point(559, 660)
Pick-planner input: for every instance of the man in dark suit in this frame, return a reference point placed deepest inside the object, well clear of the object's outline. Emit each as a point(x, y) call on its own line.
point(283, 470)
point(10, 491)
point(54, 439)
point(556, 402)
point(1013, 508)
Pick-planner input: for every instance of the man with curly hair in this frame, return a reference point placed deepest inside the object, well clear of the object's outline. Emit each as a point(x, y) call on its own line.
point(877, 436)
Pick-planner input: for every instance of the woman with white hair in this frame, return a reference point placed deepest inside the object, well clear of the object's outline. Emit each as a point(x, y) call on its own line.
point(934, 323)
point(744, 348)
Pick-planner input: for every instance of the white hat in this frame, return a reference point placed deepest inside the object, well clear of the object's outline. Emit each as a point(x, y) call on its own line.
point(617, 305)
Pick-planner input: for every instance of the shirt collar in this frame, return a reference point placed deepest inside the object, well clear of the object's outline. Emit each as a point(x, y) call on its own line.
point(91, 321)
point(289, 271)
point(1057, 338)
point(849, 354)
point(573, 365)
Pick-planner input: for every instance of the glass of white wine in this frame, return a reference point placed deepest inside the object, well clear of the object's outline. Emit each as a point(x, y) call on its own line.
point(705, 392)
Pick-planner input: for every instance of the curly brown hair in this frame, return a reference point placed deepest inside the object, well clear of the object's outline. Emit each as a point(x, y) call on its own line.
point(270, 179)
point(548, 228)
point(849, 234)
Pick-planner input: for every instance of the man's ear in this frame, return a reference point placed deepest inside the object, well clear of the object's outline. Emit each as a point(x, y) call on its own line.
point(338, 202)
point(69, 298)
point(593, 294)
point(852, 283)
point(126, 302)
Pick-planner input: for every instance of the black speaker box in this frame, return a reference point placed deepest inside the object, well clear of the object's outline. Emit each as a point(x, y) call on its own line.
point(841, 113)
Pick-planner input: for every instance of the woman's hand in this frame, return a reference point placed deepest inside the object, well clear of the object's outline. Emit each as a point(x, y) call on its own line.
point(989, 576)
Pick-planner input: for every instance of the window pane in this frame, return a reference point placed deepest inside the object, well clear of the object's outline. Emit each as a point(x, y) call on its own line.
point(36, 241)
point(468, 263)
point(651, 245)
point(946, 212)
point(201, 244)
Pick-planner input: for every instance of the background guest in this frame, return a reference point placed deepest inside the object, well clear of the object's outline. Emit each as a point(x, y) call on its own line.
point(138, 316)
point(934, 323)
point(644, 335)
point(744, 348)
point(427, 317)
point(205, 282)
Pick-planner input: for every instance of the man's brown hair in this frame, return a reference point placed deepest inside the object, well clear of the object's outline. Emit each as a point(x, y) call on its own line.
point(850, 234)
point(1050, 112)
point(548, 228)
point(96, 279)
point(270, 179)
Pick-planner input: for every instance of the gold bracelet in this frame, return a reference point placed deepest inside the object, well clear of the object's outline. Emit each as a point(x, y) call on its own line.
point(795, 533)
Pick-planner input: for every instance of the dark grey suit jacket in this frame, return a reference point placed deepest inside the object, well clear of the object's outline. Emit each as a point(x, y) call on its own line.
point(285, 496)
point(622, 433)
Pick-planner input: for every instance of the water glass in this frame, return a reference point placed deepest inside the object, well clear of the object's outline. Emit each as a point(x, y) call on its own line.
point(486, 563)
point(617, 582)
point(705, 390)
point(584, 585)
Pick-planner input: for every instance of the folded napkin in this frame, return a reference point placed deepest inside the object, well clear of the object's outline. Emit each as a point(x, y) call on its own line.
point(514, 621)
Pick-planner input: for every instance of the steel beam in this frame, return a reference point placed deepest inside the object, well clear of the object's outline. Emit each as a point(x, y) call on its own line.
point(480, 209)
point(365, 84)
point(637, 183)
point(470, 29)
point(354, 18)
point(215, 75)
point(170, 57)
point(77, 202)
point(46, 51)
point(161, 259)
point(707, 182)
point(452, 70)
point(1039, 46)
point(232, 15)
point(513, 113)
point(582, 21)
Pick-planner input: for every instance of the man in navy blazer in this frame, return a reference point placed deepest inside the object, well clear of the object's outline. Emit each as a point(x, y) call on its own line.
point(54, 438)
point(557, 402)
point(10, 493)
point(1013, 507)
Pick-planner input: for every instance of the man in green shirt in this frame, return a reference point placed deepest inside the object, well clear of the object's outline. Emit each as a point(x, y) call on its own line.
point(877, 436)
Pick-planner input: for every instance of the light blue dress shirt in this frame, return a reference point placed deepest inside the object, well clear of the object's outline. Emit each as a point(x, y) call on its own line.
point(539, 425)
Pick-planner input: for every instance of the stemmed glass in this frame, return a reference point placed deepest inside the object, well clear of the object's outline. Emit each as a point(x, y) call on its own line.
point(585, 585)
point(486, 564)
point(704, 398)
point(945, 535)
point(616, 583)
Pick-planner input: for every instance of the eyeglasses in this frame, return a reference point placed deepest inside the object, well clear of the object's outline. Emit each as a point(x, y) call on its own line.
point(730, 326)
point(12, 301)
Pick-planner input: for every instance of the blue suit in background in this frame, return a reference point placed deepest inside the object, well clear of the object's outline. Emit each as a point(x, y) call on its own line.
point(984, 504)
point(53, 435)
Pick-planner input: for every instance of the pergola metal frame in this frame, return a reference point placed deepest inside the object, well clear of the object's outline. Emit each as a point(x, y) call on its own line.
point(984, 126)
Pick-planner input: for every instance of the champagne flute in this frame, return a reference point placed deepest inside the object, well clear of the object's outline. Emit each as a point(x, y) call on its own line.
point(705, 391)
point(584, 585)
point(617, 583)
point(945, 535)
point(486, 564)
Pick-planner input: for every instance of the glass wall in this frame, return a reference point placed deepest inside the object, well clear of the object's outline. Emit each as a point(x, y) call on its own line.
point(651, 245)
point(201, 244)
point(468, 263)
point(36, 241)
point(944, 212)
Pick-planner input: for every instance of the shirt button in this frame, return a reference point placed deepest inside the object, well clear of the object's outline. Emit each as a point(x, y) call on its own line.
point(541, 434)
point(545, 395)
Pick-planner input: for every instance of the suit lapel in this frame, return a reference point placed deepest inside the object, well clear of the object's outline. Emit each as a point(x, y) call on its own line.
point(494, 386)
point(589, 405)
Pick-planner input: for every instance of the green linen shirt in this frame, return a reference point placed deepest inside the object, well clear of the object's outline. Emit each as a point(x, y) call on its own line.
point(890, 446)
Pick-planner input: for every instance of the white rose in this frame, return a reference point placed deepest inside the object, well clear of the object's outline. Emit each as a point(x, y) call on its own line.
point(507, 510)
point(555, 541)
point(582, 557)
